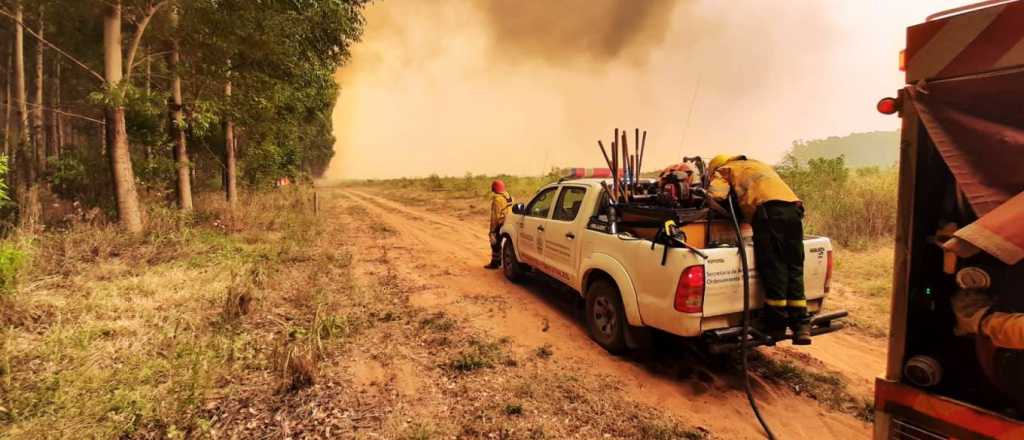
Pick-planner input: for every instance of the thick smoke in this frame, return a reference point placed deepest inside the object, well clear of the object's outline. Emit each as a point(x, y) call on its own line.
point(593, 30)
point(518, 87)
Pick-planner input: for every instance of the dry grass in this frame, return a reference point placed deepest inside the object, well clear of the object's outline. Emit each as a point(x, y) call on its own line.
point(261, 323)
point(828, 389)
point(862, 285)
point(853, 207)
point(112, 335)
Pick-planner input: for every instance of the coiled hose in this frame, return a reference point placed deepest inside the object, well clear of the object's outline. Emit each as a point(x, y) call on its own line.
point(744, 348)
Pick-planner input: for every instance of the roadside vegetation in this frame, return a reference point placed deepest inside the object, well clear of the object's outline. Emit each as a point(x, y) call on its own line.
point(109, 335)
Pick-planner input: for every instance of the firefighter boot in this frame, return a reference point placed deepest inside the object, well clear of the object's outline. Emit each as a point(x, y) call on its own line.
point(493, 265)
point(802, 333)
point(775, 323)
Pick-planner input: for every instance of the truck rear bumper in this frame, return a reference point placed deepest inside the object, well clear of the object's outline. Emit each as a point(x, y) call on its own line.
point(726, 340)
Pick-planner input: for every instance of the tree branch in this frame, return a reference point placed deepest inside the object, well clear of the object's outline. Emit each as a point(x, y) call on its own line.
point(150, 55)
point(73, 115)
point(137, 38)
point(55, 48)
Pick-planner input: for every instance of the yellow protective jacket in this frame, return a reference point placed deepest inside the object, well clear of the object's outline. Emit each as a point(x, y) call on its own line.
point(753, 182)
point(500, 205)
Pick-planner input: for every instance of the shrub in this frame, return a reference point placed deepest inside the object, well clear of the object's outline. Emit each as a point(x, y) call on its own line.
point(81, 174)
point(12, 260)
point(852, 209)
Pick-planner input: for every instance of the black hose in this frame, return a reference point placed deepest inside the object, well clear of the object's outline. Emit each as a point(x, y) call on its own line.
point(744, 346)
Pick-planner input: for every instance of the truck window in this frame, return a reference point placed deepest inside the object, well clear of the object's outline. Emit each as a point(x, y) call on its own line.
point(541, 203)
point(599, 221)
point(569, 203)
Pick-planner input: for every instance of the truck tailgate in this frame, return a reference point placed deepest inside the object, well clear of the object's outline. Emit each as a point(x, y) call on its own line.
point(723, 294)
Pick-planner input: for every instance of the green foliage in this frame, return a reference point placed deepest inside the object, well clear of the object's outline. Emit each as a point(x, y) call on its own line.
point(83, 175)
point(118, 95)
point(877, 148)
point(12, 260)
point(145, 119)
point(854, 210)
point(5, 196)
point(267, 163)
point(279, 55)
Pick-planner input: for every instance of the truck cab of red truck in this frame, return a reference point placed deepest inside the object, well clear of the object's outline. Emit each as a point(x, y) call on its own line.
point(961, 183)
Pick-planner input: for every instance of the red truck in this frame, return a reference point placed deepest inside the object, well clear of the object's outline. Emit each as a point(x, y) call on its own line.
point(960, 190)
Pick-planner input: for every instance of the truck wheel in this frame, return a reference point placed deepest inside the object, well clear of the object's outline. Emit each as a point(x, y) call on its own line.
point(606, 318)
point(513, 269)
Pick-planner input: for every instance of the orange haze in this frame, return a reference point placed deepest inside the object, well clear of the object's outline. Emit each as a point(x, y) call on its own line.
point(517, 87)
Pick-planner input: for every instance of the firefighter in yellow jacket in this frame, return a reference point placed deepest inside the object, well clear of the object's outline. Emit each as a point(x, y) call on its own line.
point(501, 202)
point(776, 215)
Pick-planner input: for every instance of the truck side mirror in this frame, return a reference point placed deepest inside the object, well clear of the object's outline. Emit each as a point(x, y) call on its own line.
point(519, 209)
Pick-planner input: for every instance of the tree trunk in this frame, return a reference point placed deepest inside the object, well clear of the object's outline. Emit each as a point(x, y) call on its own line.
point(38, 117)
point(56, 142)
point(117, 138)
point(28, 193)
point(230, 162)
point(8, 102)
point(178, 126)
point(149, 91)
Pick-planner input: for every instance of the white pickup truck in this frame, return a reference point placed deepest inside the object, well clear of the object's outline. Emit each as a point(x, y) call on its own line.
point(631, 284)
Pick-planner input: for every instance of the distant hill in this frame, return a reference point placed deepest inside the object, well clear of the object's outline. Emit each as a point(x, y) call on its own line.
point(876, 148)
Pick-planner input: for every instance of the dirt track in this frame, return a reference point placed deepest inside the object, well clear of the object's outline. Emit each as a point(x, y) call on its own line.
point(445, 254)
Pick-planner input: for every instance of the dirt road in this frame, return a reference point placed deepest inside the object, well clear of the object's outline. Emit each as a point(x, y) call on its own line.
point(444, 255)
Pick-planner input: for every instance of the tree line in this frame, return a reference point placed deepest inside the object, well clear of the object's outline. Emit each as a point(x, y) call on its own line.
point(107, 102)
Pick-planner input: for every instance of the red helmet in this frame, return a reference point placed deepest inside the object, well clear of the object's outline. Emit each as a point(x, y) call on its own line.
point(497, 186)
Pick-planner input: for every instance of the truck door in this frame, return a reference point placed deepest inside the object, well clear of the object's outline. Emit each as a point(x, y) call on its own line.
point(561, 247)
point(531, 229)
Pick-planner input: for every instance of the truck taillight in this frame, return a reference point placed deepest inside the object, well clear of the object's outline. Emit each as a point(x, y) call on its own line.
point(690, 290)
point(828, 272)
point(888, 106)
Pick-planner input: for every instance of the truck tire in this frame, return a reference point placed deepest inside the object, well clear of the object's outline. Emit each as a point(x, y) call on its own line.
point(513, 269)
point(606, 318)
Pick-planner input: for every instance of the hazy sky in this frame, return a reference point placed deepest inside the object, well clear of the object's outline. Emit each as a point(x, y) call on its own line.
point(517, 87)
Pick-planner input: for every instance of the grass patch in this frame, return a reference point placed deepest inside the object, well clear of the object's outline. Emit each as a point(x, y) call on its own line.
point(661, 430)
point(544, 351)
point(419, 431)
point(124, 336)
point(828, 389)
point(438, 322)
point(514, 409)
point(479, 354)
point(863, 286)
point(382, 229)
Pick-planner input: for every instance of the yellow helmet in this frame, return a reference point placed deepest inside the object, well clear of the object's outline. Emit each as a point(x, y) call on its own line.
point(720, 160)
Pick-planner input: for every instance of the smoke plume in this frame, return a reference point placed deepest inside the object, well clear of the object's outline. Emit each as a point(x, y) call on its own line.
point(518, 87)
point(569, 30)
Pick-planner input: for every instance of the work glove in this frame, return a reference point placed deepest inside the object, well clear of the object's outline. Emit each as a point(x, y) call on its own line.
point(969, 306)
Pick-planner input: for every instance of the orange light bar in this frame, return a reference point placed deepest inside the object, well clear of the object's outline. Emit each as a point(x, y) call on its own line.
point(903, 60)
